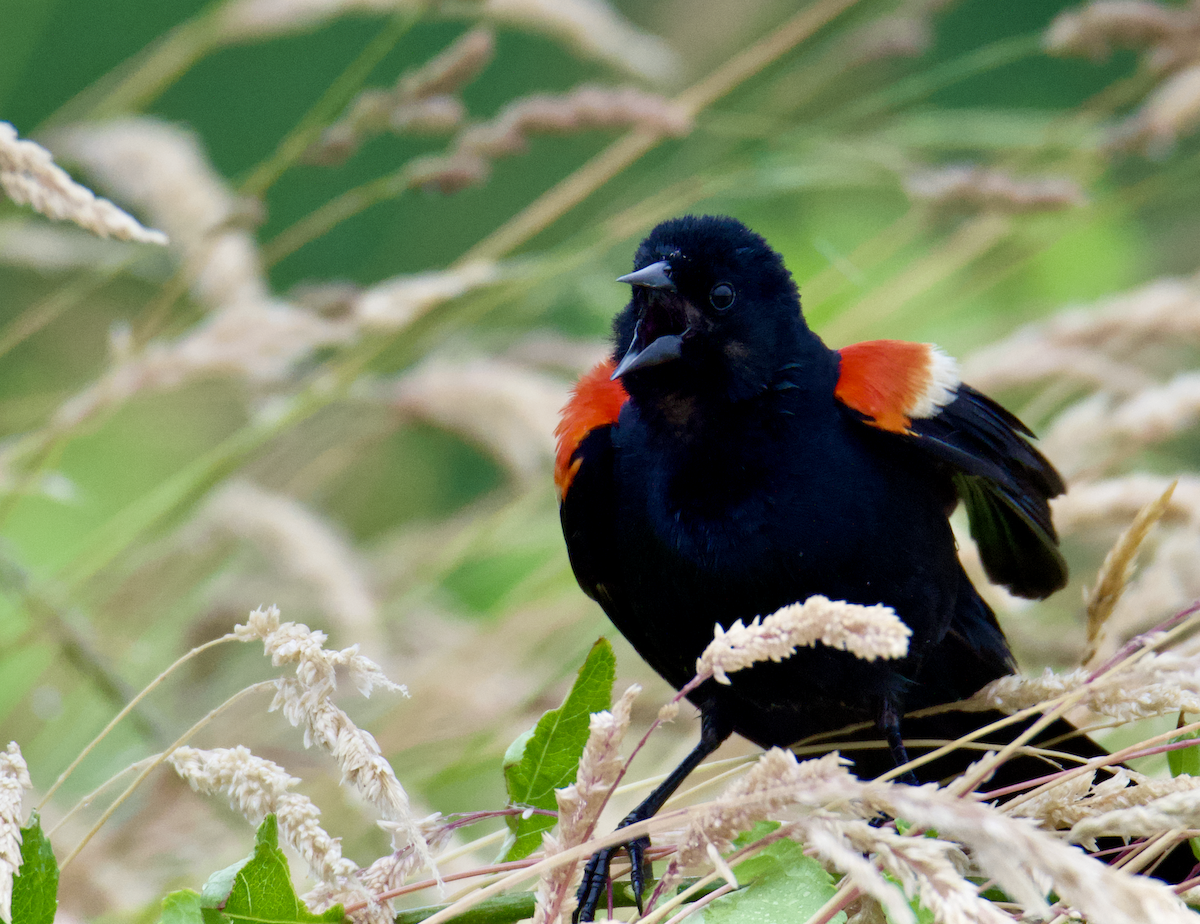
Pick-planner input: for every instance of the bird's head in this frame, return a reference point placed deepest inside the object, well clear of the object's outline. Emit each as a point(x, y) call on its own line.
point(714, 311)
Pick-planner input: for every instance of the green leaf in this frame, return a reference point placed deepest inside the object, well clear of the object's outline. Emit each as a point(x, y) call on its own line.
point(183, 907)
point(778, 884)
point(922, 914)
point(35, 886)
point(258, 890)
point(1186, 761)
point(547, 758)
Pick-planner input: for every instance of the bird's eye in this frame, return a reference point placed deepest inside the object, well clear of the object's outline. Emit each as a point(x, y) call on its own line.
point(721, 296)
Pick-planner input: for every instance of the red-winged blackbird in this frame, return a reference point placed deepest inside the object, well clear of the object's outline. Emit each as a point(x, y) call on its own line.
point(725, 463)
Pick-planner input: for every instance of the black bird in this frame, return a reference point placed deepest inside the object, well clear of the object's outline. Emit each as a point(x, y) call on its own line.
point(725, 463)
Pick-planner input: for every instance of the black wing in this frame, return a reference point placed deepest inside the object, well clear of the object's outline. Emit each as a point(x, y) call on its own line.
point(1006, 485)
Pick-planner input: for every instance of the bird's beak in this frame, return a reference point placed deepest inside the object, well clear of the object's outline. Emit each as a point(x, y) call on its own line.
point(662, 349)
point(654, 276)
point(642, 355)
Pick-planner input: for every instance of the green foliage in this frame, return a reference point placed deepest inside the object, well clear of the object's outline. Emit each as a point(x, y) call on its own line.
point(183, 907)
point(256, 890)
point(110, 565)
point(1186, 762)
point(546, 757)
point(777, 883)
point(35, 886)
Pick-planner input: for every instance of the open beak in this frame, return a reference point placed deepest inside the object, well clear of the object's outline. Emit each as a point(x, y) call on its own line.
point(647, 350)
point(654, 276)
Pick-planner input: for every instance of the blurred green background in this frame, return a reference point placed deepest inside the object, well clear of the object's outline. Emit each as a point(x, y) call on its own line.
point(113, 562)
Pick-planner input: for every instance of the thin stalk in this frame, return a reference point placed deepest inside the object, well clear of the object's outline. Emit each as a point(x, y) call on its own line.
point(335, 211)
point(329, 106)
point(53, 306)
point(133, 86)
point(572, 190)
point(129, 707)
point(154, 764)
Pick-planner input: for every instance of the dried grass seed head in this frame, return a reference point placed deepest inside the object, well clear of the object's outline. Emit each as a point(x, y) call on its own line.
point(509, 133)
point(592, 28)
point(163, 170)
point(508, 410)
point(1175, 810)
point(423, 100)
point(1080, 798)
point(316, 667)
point(305, 545)
point(1158, 684)
point(985, 188)
point(777, 781)
point(930, 870)
point(580, 805)
point(257, 341)
point(397, 302)
point(14, 783)
point(1169, 113)
point(255, 788)
point(868, 632)
point(29, 176)
point(1095, 29)
point(1163, 586)
point(1117, 569)
point(1027, 863)
point(1113, 502)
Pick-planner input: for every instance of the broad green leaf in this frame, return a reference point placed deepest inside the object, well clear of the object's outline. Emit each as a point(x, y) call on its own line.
point(258, 890)
point(922, 915)
point(35, 886)
point(778, 884)
point(545, 759)
point(183, 907)
point(1186, 761)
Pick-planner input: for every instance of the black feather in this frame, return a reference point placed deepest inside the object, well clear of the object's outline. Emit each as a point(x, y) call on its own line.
point(1006, 486)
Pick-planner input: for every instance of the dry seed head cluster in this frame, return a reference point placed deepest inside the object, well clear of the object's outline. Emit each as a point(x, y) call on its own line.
point(592, 28)
point(981, 188)
point(29, 176)
point(503, 407)
point(777, 781)
point(1175, 810)
point(1080, 798)
point(305, 545)
point(477, 147)
point(14, 783)
point(163, 170)
point(306, 702)
point(580, 804)
point(1168, 36)
point(1027, 863)
point(257, 787)
point(1117, 570)
point(1119, 364)
point(1160, 684)
point(930, 871)
point(424, 100)
point(868, 632)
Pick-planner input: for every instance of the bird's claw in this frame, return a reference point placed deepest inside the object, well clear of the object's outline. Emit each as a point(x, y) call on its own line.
point(595, 878)
point(637, 874)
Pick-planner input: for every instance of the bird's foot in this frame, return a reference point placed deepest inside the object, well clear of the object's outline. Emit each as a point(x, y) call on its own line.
point(908, 778)
point(595, 877)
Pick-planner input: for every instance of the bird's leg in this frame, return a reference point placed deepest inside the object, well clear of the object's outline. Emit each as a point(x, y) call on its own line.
point(889, 724)
point(714, 729)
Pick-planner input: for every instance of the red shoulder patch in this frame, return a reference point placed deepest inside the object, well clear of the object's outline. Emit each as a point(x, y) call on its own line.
point(893, 381)
point(596, 401)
